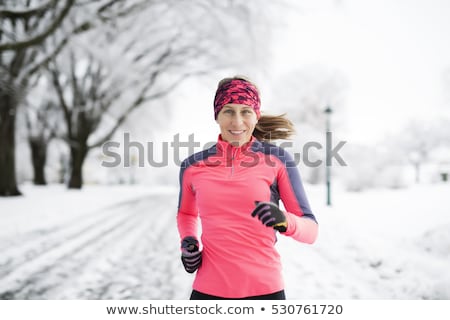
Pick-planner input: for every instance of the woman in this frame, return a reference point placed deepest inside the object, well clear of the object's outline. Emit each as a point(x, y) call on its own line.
point(234, 188)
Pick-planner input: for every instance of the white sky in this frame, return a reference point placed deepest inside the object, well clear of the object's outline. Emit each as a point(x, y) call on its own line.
point(393, 53)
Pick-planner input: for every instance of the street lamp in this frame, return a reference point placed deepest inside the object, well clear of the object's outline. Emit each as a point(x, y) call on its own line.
point(328, 112)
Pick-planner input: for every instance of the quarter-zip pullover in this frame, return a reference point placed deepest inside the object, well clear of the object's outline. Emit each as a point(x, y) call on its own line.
point(220, 186)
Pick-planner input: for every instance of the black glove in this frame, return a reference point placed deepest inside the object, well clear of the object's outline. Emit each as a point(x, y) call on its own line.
point(270, 215)
point(190, 254)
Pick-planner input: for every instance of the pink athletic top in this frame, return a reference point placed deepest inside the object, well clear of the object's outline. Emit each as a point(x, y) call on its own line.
point(220, 186)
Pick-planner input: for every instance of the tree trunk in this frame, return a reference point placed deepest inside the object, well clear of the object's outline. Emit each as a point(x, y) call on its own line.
point(417, 171)
point(8, 184)
point(63, 169)
point(38, 156)
point(77, 157)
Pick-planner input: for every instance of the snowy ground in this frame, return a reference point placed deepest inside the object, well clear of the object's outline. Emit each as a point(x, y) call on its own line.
point(122, 243)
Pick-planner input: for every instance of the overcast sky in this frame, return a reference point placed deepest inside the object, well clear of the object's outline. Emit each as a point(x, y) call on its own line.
point(393, 54)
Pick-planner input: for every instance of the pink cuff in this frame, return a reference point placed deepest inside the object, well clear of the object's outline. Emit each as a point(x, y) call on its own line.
point(301, 228)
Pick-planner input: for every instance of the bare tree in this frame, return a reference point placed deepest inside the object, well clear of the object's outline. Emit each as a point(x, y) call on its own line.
point(83, 98)
point(24, 26)
point(418, 140)
point(42, 126)
point(32, 33)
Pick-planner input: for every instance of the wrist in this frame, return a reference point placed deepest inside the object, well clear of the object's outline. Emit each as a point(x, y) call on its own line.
point(290, 223)
point(281, 226)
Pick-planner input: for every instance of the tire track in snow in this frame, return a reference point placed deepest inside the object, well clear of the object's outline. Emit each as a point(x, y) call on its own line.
point(146, 272)
point(131, 269)
point(27, 279)
point(38, 242)
point(8, 244)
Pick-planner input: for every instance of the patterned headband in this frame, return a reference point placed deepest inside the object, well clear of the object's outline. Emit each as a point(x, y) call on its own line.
point(237, 91)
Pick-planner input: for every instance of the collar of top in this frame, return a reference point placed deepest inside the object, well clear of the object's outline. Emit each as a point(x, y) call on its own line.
point(227, 147)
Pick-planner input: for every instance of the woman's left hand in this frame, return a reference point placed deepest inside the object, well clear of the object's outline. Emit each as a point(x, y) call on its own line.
point(270, 215)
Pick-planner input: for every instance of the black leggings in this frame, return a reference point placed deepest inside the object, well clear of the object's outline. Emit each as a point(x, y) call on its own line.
point(196, 295)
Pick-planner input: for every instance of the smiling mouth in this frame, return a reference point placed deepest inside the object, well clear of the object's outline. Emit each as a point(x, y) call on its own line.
point(236, 132)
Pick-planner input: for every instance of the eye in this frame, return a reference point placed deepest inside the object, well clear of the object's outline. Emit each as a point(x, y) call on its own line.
point(228, 111)
point(247, 111)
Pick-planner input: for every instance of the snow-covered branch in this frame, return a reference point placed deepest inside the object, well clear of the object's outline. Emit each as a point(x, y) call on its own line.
point(26, 13)
point(39, 38)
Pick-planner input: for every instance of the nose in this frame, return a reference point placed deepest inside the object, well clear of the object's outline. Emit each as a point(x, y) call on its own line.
point(237, 119)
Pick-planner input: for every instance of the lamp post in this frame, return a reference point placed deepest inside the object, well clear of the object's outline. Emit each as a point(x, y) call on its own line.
point(328, 112)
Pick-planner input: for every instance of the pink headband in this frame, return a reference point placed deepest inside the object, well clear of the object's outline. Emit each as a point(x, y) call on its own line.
point(239, 92)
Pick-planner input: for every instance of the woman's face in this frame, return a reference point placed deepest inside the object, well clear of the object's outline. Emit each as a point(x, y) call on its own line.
point(237, 122)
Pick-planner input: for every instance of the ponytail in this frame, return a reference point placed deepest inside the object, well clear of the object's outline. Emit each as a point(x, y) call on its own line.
point(270, 127)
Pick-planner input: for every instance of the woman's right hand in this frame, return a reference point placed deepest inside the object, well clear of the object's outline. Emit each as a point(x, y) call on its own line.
point(190, 254)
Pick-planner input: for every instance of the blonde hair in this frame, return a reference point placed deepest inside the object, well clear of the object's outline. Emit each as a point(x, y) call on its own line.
point(269, 127)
